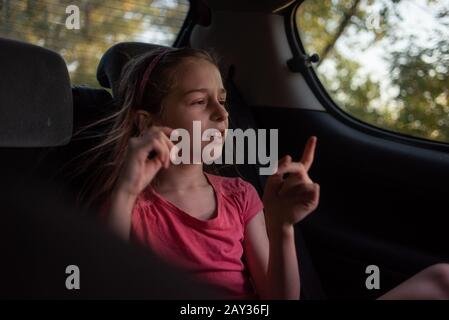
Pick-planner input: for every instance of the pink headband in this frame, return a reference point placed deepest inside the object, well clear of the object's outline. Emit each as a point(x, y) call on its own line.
point(147, 74)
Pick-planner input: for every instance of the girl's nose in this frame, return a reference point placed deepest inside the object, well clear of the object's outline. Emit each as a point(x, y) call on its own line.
point(220, 112)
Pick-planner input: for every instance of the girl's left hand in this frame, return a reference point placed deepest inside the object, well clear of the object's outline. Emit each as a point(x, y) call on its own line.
point(288, 200)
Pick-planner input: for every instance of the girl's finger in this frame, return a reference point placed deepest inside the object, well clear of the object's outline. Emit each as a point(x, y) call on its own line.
point(275, 181)
point(164, 153)
point(169, 145)
point(289, 186)
point(147, 138)
point(161, 151)
point(296, 168)
point(308, 192)
point(153, 131)
point(168, 142)
point(295, 179)
point(282, 163)
point(309, 153)
point(166, 130)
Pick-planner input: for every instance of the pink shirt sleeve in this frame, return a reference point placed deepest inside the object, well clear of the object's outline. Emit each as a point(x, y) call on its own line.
point(252, 204)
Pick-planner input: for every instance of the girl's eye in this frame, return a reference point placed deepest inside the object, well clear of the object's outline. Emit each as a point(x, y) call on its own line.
point(200, 102)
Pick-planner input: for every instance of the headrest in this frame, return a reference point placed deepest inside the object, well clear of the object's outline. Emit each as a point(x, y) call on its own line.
point(35, 96)
point(113, 61)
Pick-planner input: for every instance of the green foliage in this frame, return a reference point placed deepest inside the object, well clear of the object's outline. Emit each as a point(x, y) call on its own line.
point(412, 95)
point(102, 24)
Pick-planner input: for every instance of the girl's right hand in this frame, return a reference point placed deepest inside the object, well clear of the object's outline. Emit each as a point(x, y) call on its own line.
point(138, 169)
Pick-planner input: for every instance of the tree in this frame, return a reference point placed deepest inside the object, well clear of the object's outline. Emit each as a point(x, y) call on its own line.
point(103, 23)
point(418, 69)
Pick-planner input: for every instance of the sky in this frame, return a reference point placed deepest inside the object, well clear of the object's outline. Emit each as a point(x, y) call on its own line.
point(418, 19)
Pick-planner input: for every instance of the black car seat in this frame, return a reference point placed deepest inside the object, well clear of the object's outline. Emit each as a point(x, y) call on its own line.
point(42, 233)
point(89, 106)
point(35, 105)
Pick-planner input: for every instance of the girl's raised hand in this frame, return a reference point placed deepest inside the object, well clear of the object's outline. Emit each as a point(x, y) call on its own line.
point(290, 195)
point(138, 168)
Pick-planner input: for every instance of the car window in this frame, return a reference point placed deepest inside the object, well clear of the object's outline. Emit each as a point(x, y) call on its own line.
point(385, 62)
point(54, 24)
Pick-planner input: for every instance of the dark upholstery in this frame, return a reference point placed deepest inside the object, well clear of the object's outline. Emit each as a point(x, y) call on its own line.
point(115, 58)
point(89, 106)
point(35, 96)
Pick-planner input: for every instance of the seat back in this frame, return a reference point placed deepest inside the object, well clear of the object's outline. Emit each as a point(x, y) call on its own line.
point(35, 96)
point(89, 106)
point(35, 106)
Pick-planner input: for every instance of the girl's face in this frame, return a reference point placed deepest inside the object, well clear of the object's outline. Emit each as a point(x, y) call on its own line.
point(197, 95)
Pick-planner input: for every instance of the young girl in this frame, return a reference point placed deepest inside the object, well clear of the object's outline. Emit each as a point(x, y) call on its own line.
point(216, 227)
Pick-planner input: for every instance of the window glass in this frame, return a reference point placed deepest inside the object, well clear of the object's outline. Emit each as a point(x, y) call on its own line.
point(54, 24)
point(386, 62)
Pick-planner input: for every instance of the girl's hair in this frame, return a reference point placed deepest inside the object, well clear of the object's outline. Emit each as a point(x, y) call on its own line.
point(103, 163)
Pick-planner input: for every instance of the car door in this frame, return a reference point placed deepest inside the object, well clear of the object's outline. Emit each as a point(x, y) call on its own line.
point(383, 193)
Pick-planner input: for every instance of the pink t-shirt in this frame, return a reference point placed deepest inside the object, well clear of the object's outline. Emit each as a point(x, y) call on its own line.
point(210, 249)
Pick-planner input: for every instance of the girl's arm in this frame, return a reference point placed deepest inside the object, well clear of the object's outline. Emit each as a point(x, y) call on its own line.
point(272, 261)
point(137, 172)
point(119, 217)
point(289, 196)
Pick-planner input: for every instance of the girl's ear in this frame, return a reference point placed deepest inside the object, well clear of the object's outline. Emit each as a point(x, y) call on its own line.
point(142, 120)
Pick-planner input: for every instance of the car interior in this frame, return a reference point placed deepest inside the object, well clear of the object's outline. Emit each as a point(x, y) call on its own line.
point(383, 193)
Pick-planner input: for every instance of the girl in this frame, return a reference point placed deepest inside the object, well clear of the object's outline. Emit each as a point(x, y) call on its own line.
point(216, 227)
